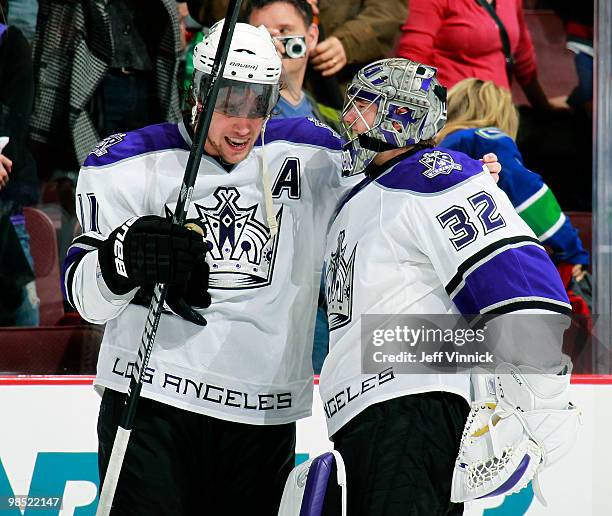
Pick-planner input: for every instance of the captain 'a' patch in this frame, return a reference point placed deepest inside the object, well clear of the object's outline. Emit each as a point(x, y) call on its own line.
point(288, 179)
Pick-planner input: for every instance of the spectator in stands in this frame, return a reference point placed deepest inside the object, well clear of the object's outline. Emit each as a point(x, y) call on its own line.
point(578, 20)
point(208, 12)
point(481, 119)
point(101, 67)
point(352, 33)
point(20, 188)
point(183, 13)
point(23, 15)
point(462, 39)
point(285, 18)
point(357, 32)
point(18, 300)
point(5, 169)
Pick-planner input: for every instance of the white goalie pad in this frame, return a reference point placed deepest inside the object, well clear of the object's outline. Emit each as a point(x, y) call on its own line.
point(521, 423)
point(306, 486)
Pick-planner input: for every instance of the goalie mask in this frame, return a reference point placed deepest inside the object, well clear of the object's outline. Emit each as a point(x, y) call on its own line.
point(390, 104)
point(249, 87)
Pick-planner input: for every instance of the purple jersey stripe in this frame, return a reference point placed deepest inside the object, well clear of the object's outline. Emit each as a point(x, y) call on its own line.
point(153, 138)
point(303, 131)
point(431, 171)
point(74, 253)
point(514, 273)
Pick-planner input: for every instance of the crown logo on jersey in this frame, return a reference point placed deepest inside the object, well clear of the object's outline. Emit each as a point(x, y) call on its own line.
point(347, 161)
point(438, 162)
point(241, 253)
point(339, 285)
point(102, 147)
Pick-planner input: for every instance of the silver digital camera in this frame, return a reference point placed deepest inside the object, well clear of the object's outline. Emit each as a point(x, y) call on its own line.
point(295, 46)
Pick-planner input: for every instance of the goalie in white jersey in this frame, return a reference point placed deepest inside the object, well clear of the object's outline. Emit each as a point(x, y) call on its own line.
point(426, 231)
point(215, 426)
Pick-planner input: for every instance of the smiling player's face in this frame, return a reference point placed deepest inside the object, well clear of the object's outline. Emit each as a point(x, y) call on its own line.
point(232, 137)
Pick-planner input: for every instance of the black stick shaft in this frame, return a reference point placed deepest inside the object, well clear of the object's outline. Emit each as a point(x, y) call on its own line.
point(159, 293)
point(180, 213)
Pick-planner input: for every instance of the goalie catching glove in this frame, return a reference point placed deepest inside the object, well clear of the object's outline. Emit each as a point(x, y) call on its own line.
point(521, 423)
point(148, 250)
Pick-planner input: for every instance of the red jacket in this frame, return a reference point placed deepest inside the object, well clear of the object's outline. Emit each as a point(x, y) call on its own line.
point(461, 40)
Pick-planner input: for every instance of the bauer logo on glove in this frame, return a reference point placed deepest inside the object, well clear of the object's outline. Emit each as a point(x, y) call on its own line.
point(148, 250)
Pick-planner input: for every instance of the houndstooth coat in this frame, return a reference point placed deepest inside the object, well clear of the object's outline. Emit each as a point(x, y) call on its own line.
point(72, 51)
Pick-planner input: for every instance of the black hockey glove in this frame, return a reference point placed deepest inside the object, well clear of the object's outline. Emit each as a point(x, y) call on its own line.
point(181, 298)
point(148, 250)
point(151, 249)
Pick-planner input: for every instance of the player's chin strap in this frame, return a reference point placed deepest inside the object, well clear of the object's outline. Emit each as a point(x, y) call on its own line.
point(267, 189)
point(367, 142)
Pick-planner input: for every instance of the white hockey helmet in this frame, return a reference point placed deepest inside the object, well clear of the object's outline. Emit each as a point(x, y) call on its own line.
point(409, 102)
point(249, 87)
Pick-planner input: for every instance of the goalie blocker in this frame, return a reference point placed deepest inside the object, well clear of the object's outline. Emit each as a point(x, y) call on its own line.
point(520, 423)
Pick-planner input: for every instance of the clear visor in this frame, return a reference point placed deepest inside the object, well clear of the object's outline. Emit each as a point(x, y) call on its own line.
point(360, 111)
point(239, 99)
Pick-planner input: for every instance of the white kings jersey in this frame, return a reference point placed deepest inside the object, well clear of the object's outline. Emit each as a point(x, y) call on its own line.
point(432, 234)
point(252, 362)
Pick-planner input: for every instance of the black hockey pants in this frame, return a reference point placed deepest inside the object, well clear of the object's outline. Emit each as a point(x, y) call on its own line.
point(399, 457)
point(179, 463)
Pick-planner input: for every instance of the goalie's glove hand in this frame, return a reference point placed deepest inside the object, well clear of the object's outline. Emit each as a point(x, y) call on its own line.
point(147, 250)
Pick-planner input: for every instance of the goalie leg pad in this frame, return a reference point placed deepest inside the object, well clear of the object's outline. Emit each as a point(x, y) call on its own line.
point(305, 489)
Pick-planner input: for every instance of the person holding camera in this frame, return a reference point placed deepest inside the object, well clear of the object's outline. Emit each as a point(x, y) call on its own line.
point(290, 22)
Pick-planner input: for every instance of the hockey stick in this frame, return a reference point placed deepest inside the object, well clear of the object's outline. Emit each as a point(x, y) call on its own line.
point(159, 293)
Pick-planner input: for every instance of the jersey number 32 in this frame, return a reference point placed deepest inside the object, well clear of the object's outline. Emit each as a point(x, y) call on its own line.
point(461, 225)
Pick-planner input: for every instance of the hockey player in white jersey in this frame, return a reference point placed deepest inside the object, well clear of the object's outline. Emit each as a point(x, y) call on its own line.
point(215, 426)
point(426, 231)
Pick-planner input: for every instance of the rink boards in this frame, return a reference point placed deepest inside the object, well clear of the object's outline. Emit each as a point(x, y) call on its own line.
point(48, 450)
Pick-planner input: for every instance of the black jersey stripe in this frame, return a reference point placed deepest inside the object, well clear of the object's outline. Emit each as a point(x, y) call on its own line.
point(70, 277)
point(530, 305)
point(88, 240)
point(481, 255)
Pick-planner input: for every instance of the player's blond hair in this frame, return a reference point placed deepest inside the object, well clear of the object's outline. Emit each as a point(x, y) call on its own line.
point(476, 103)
